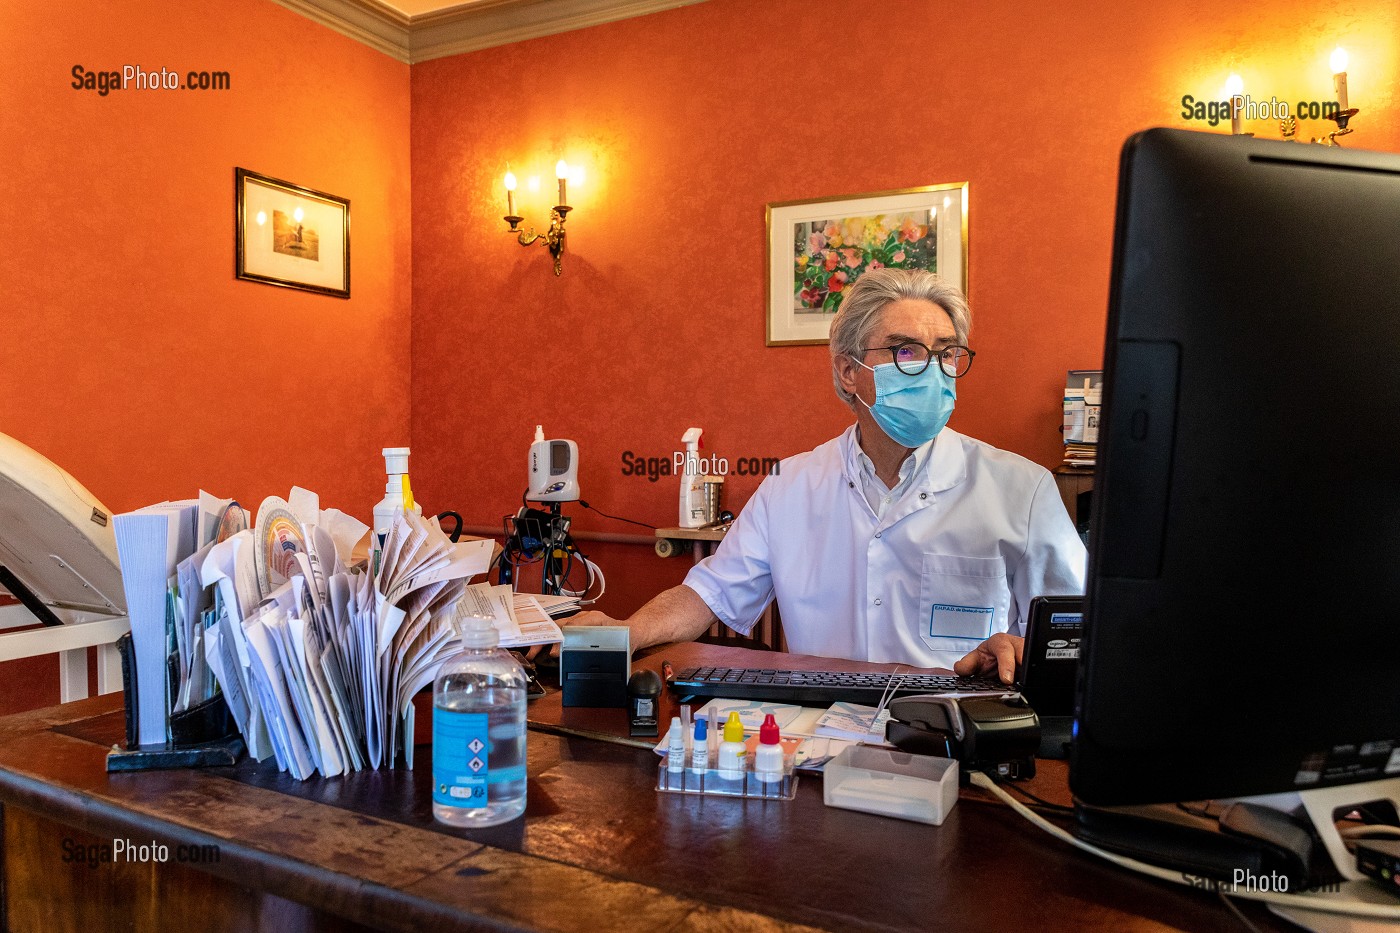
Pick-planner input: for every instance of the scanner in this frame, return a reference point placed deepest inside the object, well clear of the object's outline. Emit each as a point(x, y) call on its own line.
point(58, 555)
point(986, 733)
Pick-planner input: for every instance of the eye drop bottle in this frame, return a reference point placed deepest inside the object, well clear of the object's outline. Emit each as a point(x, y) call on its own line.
point(700, 748)
point(732, 750)
point(675, 747)
point(768, 759)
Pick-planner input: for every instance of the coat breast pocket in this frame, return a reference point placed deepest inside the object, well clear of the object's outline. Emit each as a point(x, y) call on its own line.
point(963, 600)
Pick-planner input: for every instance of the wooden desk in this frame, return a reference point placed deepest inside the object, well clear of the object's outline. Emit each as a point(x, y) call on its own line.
point(598, 849)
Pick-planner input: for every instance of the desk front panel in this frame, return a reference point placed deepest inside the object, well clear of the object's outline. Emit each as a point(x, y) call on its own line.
point(598, 848)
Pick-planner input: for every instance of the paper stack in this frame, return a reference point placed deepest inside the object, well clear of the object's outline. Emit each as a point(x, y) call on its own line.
point(320, 663)
point(151, 543)
point(518, 617)
point(1083, 392)
point(556, 606)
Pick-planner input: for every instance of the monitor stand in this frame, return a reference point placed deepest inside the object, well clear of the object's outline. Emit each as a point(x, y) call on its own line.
point(1319, 805)
point(1183, 839)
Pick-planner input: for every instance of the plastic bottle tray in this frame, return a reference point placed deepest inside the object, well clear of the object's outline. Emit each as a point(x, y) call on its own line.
point(717, 783)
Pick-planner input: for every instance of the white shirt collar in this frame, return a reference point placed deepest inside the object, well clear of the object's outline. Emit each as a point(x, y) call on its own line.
point(943, 463)
point(882, 499)
point(912, 465)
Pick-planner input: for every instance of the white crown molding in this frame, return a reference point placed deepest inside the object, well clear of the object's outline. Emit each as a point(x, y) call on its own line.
point(383, 29)
point(467, 27)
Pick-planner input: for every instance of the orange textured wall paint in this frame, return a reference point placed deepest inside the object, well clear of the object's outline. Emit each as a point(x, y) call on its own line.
point(688, 122)
point(116, 246)
point(129, 353)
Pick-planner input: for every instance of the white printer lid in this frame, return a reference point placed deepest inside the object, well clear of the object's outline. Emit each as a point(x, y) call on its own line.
point(55, 537)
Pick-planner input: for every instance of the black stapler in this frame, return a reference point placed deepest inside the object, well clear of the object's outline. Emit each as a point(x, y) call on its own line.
point(986, 733)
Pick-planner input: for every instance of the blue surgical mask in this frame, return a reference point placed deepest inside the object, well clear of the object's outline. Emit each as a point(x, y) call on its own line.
point(911, 409)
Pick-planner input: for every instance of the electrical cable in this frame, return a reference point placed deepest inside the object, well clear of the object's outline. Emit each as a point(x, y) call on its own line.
point(593, 570)
point(1361, 832)
point(556, 552)
point(616, 518)
point(1057, 807)
point(1239, 914)
point(1301, 902)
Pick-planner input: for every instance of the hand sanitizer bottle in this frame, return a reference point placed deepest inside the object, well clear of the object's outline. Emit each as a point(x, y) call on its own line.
point(479, 732)
point(692, 501)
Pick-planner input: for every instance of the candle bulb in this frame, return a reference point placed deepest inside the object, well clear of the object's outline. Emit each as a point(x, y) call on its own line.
point(1234, 91)
point(561, 171)
point(510, 193)
point(1339, 77)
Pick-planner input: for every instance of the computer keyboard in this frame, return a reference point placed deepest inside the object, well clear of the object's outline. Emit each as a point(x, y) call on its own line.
point(820, 688)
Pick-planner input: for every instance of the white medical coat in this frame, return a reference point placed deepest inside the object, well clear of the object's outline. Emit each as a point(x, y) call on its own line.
point(956, 558)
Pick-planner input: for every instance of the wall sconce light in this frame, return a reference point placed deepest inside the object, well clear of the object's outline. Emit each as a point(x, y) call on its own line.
point(1340, 114)
point(553, 238)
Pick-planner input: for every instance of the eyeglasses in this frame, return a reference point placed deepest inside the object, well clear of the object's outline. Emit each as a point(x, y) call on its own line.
point(912, 358)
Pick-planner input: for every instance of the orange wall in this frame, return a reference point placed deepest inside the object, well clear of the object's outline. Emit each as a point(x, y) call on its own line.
point(129, 353)
point(116, 247)
point(688, 122)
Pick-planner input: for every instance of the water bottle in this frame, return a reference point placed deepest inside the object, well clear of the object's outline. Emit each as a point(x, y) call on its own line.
point(479, 732)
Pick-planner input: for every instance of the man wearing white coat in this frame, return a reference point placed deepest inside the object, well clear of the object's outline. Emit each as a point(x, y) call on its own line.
point(900, 540)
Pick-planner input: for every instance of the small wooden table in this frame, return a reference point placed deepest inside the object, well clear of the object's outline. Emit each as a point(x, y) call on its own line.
point(674, 540)
point(1071, 481)
point(597, 850)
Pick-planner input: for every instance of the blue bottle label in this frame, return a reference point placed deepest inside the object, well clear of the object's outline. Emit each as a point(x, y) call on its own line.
point(461, 759)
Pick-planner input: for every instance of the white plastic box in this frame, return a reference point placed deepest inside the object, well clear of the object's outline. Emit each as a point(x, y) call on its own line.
point(891, 783)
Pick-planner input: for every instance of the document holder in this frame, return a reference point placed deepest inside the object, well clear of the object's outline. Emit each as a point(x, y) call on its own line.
point(202, 736)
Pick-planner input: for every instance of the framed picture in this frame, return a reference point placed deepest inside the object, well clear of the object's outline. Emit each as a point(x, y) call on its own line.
point(291, 236)
point(817, 249)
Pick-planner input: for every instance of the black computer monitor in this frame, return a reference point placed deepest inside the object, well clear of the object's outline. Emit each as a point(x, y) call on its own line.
point(1242, 631)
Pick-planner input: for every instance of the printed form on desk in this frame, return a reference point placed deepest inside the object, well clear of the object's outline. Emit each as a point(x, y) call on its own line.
point(518, 617)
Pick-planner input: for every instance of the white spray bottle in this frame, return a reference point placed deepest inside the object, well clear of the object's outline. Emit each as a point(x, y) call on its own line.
point(394, 501)
point(692, 502)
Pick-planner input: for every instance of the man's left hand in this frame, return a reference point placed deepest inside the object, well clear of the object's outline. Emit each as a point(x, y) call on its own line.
point(1000, 653)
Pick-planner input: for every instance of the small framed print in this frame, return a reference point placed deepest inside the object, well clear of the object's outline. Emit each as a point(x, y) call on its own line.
point(817, 249)
point(291, 236)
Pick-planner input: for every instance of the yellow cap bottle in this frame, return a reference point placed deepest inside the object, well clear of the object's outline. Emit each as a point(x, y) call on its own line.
point(732, 750)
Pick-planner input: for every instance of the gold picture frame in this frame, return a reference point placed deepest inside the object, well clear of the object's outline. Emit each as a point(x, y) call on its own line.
point(818, 248)
point(291, 236)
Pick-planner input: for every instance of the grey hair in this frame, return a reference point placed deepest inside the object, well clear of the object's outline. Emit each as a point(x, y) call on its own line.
point(859, 316)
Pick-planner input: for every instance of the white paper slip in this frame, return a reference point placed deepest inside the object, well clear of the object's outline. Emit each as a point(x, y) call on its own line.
point(751, 712)
point(853, 722)
point(536, 627)
point(517, 616)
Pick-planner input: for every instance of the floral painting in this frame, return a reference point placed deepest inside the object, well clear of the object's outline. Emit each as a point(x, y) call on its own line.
point(818, 249)
point(831, 254)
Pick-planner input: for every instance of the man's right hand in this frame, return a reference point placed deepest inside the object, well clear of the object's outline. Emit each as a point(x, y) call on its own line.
point(1000, 654)
point(591, 617)
point(677, 614)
